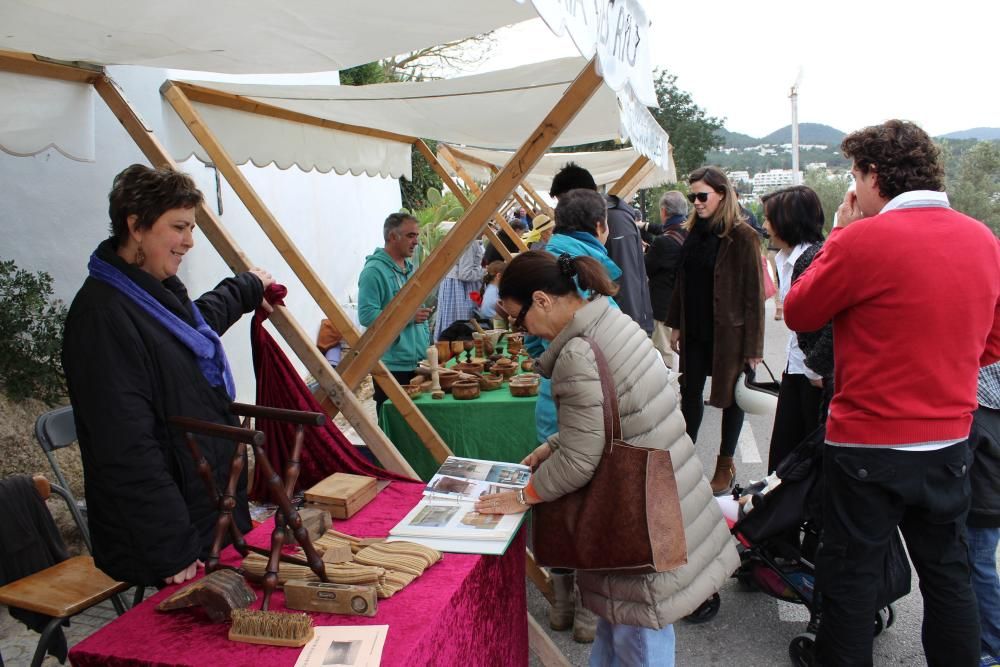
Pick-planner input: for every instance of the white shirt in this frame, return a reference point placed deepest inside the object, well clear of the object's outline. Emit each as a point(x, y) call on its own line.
point(785, 261)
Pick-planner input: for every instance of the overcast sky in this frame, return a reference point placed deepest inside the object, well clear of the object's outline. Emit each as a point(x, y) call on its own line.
point(937, 64)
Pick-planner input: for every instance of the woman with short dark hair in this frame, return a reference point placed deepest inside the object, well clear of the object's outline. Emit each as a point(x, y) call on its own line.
point(717, 310)
point(137, 351)
point(794, 219)
point(544, 294)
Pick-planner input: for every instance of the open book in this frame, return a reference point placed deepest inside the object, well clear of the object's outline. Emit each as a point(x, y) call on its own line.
point(445, 518)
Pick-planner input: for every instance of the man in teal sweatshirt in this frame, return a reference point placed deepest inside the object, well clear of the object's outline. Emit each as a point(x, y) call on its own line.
point(385, 272)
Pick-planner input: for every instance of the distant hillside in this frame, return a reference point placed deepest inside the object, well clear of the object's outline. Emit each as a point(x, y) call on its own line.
point(735, 139)
point(980, 133)
point(809, 133)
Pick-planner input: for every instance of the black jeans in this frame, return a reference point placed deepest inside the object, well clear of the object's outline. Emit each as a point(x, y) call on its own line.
point(697, 368)
point(402, 377)
point(797, 416)
point(869, 491)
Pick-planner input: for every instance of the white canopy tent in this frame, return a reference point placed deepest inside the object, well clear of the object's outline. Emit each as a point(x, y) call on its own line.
point(48, 114)
point(492, 110)
point(606, 167)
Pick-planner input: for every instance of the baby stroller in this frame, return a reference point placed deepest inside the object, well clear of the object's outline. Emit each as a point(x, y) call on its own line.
point(778, 537)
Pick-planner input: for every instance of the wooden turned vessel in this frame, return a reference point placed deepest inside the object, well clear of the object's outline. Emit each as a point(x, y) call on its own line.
point(465, 390)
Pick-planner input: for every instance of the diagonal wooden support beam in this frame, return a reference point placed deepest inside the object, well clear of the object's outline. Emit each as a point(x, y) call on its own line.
point(529, 191)
point(459, 193)
point(387, 326)
point(542, 204)
point(283, 320)
point(300, 266)
point(26, 63)
point(634, 185)
point(630, 176)
point(447, 155)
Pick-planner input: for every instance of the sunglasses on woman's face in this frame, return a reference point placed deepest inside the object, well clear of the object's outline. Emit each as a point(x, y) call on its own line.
point(700, 196)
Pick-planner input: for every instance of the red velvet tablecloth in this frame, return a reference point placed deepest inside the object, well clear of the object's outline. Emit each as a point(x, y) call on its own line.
point(464, 610)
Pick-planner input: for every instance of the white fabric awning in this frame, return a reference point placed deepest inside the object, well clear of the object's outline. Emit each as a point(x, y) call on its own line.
point(39, 114)
point(245, 36)
point(605, 166)
point(493, 110)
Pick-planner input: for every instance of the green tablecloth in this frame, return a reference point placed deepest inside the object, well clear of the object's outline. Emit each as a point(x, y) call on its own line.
point(496, 426)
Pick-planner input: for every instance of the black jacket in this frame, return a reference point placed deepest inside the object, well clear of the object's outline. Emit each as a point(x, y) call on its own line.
point(984, 512)
point(662, 259)
point(816, 345)
point(625, 249)
point(149, 512)
point(491, 254)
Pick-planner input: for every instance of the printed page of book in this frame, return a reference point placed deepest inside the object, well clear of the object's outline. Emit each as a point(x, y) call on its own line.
point(468, 479)
point(344, 646)
point(455, 519)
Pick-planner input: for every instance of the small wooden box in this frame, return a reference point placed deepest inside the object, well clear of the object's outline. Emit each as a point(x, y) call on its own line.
point(342, 495)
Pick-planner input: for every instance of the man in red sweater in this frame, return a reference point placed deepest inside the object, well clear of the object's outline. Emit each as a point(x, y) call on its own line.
point(913, 289)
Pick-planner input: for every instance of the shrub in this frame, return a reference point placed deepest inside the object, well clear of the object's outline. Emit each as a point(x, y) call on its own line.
point(31, 331)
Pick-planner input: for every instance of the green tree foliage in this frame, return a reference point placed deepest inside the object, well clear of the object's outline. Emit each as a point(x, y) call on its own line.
point(692, 132)
point(31, 330)
point(831, 190)
point(974, 185)
point(363, 75)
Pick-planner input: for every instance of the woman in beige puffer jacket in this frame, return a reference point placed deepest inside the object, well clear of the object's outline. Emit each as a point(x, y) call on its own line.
point(650, 417)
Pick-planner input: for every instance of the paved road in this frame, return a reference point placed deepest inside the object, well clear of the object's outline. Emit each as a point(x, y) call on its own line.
point(752, 629)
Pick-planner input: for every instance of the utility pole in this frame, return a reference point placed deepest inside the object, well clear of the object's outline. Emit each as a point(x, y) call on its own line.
point(794, 97)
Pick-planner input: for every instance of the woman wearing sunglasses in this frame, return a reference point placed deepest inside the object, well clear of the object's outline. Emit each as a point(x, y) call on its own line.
point(546, 295)
point(717, 310)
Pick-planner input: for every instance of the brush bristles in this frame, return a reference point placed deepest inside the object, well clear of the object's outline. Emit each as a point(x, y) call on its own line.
point(270, 624)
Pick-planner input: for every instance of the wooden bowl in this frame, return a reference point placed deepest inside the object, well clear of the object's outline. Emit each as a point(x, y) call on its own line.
point(465, 390)
point(471, 367)
point(506, 368)
point(490, 382)
point(447, 377)
point(528, 365)
point(524, 385)
point(413, 390)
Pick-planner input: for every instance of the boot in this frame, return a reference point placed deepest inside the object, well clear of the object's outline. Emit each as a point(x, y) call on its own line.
point(724, 477)
point(584, 623)
point(561, 611)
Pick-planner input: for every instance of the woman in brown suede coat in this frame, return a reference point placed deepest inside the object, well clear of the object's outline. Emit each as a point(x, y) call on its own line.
point(717, 310)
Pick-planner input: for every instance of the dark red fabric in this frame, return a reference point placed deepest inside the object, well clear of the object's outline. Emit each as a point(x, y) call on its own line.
point(464, 610)
point(325, 449)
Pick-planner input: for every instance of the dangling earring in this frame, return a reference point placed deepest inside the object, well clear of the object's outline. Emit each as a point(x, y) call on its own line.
point(140, 256)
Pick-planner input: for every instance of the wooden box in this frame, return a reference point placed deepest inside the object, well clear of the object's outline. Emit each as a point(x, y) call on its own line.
point(342, 495)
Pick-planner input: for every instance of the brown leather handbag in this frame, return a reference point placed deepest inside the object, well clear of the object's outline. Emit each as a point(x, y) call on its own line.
point(628, 517)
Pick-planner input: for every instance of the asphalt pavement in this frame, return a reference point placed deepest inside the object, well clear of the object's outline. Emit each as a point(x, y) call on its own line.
point(752, 629)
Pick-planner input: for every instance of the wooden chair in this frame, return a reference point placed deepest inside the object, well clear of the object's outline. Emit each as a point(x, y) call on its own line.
point(62, 590)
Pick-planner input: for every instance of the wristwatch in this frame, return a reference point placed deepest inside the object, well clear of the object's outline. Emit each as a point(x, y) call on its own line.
point(520, 497)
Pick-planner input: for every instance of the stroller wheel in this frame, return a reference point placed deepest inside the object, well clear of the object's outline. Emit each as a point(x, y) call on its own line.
point(802, 650)
point(706, 612)
point(892, 616)
point(744, 577)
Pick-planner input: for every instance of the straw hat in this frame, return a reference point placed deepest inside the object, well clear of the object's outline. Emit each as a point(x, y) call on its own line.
point(540, 223)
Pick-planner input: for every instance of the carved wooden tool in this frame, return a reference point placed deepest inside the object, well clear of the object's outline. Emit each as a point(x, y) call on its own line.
point(432, 361)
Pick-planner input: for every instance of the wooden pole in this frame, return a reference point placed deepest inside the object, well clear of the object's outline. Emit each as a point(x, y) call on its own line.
point(628, 192)
point(387, 326)
point(472, 159)
point(26, 63)
point(300, 266)
point(459, 193)
point(543, 647)
point(476, 190)
point(283, 321)
point(630, 175)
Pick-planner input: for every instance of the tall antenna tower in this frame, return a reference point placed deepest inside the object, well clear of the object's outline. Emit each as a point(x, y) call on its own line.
point(794, 97)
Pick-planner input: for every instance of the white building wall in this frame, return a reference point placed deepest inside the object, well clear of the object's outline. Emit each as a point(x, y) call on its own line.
point(54, 213)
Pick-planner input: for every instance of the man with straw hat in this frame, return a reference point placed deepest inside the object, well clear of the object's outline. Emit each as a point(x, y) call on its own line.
point(541, 233)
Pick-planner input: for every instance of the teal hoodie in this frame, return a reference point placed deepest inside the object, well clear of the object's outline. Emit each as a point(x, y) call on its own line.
point(380, 281)
point(575, 244)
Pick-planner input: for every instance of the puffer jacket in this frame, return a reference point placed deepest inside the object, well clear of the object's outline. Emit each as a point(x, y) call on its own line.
point(650, 417)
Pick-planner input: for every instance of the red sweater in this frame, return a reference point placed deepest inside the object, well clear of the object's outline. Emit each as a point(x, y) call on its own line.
point(914, 295)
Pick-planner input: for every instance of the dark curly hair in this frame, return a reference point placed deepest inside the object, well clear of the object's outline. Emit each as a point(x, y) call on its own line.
point(148, 193)
point(902, 154)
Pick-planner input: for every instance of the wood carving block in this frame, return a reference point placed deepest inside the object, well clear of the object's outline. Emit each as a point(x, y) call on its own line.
point(338, 552)
point(219, 593)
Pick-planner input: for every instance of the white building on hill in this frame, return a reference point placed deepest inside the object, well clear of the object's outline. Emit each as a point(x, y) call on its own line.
point(766, 181)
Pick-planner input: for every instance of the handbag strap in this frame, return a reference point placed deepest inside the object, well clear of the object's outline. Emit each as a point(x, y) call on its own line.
point(612, 418)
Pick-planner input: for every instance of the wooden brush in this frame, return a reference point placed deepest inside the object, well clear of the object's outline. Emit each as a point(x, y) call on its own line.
point(270, 627)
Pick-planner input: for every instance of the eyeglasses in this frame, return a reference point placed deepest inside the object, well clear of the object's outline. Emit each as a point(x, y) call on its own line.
point(700, 196)
point(518, 325)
